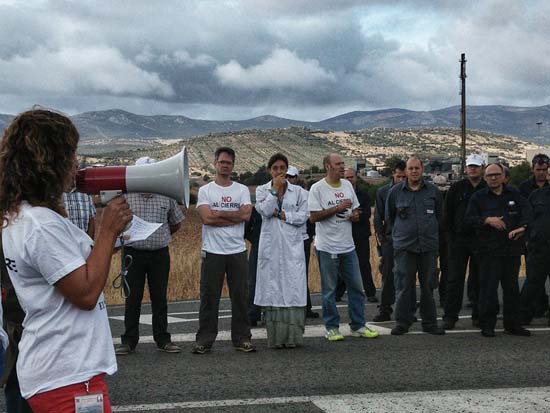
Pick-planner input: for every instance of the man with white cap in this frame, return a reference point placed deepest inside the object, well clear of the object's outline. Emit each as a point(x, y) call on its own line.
point(308, 229)
point(461, 242)
point(151, 261)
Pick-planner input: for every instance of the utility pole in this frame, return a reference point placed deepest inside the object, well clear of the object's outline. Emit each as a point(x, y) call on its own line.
point(463, 112)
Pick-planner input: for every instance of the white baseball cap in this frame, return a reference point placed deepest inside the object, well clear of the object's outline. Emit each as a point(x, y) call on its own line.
point(292, 171)
point(144, 160)
point(475, 159)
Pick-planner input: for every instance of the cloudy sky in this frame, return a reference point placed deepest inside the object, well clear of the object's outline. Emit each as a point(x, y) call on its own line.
point(301, 59)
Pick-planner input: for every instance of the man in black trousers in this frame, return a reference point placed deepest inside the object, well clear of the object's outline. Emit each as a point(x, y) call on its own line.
point(383, 236)
point(461, 243)
point(500, 216)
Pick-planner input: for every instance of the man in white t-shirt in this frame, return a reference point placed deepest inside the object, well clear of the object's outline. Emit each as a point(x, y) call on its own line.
point(224, 206)
point(333, 206)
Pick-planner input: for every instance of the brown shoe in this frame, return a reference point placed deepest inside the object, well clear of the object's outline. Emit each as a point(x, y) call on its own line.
point(169, 348)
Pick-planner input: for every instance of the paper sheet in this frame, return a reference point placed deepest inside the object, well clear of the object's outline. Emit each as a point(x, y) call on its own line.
point(139, 230)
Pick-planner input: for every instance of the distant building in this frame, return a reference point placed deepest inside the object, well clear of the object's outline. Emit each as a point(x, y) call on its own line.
point(362, 164)
point(530, 153)
point(489, 157)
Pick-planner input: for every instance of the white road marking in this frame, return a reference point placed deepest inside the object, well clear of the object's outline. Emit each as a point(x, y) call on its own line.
point(148, 319)
point(477, 400)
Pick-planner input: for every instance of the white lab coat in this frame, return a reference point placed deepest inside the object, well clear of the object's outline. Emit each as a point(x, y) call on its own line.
point(281, 272)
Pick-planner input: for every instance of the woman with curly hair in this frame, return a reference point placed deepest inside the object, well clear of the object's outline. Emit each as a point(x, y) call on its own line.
point(66, 348)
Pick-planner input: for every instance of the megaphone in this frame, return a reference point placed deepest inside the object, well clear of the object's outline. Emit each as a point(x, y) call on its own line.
point(169, 177)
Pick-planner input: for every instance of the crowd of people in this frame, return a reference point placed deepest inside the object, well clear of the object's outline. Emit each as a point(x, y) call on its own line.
point(56, 345)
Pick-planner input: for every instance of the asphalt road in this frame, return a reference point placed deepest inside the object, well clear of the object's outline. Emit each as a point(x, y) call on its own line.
point(460, 371)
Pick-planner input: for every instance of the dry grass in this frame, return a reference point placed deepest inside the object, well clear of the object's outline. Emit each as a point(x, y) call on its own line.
point(185, 264)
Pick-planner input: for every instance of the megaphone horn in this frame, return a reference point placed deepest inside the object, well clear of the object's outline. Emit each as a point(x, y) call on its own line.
point(169, 177)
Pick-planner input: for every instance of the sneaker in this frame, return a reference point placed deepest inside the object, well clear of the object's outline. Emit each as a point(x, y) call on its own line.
point(487, 332)
point(435, 330)
point(399, 330)
point(312, 314)
point(372, 299)
point(382, 317)
point(169, 348)
point(123, 350)
point(246, 347)
point(365, 332)
point(518, 331)
point(334, 335)
point(449, 324)
point(200, 349)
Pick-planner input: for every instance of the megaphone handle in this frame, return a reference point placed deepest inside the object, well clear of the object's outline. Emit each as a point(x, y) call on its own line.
point(107, 196)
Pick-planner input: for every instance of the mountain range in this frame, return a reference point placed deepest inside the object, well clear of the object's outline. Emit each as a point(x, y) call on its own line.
point(529, 123)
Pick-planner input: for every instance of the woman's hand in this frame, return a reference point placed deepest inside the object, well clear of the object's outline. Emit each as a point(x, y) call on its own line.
point(116, 216)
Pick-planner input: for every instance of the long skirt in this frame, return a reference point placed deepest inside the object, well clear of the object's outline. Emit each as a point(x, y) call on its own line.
point(285, 326)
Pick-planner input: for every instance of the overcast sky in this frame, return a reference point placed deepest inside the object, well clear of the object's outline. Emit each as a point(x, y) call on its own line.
point(301, 59)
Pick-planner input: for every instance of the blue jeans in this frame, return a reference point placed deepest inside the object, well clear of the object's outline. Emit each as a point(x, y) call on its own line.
point(347, 265)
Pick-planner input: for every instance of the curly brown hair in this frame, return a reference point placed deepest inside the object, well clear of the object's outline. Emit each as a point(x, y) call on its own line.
point(37, 156)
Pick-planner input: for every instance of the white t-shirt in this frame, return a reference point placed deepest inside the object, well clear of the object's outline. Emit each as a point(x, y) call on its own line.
point(333, 235)
point(229, 239)
point(61, 343)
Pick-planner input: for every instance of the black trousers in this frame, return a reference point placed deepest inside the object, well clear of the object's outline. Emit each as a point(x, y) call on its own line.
point(213, 270)
point(387, 296)
point(155, 267)
point(443, 269)
point(533, 290)
point(492, 270)
point(362, 248)
point(460, 254)
point(254, 311)
point(307, 252)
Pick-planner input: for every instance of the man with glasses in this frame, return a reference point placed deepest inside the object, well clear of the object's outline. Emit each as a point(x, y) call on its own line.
point(499, 215)
point(461, 243)
point(539, 166)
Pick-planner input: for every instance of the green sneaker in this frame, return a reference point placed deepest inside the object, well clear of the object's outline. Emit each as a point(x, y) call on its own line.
point(365, 332)
point(334, 335)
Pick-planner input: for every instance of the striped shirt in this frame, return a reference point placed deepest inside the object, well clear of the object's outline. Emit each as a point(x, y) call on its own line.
point(157, 209)
point(80, 208)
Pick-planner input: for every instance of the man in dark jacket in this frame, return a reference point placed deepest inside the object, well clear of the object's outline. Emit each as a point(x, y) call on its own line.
point(500, 215)
point(539, 165)
point(383, 237)
point(461, 243)
point(414, 209)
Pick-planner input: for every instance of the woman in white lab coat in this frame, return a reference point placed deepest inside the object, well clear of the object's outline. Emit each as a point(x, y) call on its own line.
point(281, 285)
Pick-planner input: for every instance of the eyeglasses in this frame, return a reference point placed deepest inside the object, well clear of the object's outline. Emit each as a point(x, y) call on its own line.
point(497, 175)
point(541, 159)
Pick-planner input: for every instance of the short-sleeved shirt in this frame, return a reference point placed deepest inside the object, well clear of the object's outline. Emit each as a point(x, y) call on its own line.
point(158, 209)
point(80, 208)
point(334, 234)
point(61, 344)
point(227, 239)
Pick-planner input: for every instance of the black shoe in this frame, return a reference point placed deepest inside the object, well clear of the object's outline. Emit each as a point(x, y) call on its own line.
point(518, 331)
point(399, 330)
point(449, 324)
point(372, 299)
point(435, 330)
point(200, 349)
point(382, 317)
point(312, 314)
point(487, 332)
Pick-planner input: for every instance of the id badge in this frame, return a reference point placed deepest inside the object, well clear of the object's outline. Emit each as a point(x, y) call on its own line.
point(89, 403)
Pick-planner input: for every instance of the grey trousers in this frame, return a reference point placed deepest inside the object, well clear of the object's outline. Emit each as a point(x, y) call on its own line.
point(213, 270)
point(406, 265)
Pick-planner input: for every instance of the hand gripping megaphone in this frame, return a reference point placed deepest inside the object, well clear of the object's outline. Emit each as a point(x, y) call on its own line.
point(169, 177)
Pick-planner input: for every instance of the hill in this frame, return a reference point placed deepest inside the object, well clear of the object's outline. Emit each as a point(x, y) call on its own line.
point(305, 147)
point(506, 120)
